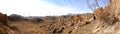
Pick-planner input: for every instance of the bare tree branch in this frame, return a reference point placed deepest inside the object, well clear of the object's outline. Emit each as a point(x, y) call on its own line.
point(93, 4)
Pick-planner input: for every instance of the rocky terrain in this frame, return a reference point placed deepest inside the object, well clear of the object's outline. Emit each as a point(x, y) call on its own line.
point(101, 21)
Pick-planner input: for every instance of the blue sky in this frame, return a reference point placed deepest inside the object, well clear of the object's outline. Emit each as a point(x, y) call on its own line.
point(46, 7)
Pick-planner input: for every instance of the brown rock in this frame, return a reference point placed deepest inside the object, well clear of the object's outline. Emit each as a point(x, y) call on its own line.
point(104, 15)
point(4, 19)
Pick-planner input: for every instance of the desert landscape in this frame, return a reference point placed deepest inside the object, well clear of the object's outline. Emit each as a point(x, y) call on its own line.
point(102, 21)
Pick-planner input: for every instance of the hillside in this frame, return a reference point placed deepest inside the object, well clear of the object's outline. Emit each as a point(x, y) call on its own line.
point(101, 21)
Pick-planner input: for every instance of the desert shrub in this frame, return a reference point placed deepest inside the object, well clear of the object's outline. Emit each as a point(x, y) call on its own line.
point(15, 17)
point(115, 20)
point(50, 18)
point(37, 20)
point(1, 32)
point(26, 19)
point(87, 22)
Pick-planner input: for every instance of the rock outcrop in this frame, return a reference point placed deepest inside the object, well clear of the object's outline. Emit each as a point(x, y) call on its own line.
point(101, 21)
point(3, 23)
point(5, 28)
point(3, 19)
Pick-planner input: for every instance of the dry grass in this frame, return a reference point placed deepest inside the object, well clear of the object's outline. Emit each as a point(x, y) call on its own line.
point(28, 27)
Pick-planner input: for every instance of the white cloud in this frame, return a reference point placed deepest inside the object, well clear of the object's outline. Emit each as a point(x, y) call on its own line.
point(33, 8)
